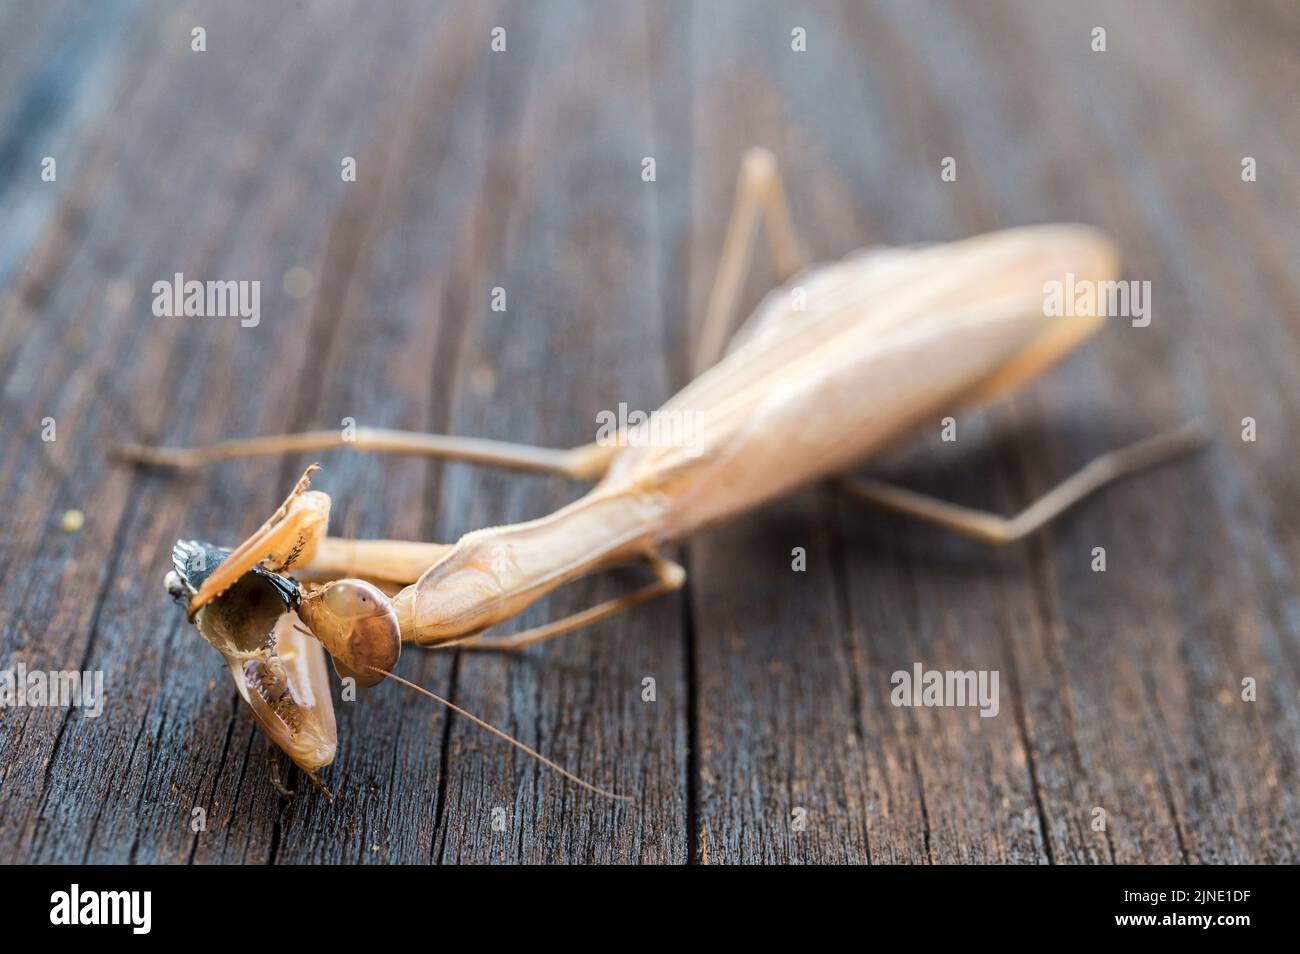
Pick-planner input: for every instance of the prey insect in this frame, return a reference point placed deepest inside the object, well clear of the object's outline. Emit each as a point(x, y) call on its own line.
point(839, 362)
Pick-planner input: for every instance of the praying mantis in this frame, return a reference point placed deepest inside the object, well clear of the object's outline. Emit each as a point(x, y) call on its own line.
point(840, 361)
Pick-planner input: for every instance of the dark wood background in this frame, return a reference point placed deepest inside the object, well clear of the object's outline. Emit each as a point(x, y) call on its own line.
point(1120, 690)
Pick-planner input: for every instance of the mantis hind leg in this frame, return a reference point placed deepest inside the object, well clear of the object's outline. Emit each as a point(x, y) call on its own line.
point(758, 192)
point(997, 529)
point(587, 462)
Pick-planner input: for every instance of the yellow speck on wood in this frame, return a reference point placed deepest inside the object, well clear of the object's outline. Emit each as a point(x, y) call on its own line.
point(73, 520)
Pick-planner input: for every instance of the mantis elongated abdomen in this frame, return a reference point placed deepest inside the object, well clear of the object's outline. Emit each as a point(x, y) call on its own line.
point(868, 362)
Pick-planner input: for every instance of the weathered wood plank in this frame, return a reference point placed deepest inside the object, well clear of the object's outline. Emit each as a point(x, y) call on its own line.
point(1120, 690)
point(875, 781)
point(157, 704)
point(1164, 637)
point(1052, 601)
point(571, 240)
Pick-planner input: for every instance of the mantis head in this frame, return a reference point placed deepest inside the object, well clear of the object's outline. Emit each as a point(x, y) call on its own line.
point(356, 623)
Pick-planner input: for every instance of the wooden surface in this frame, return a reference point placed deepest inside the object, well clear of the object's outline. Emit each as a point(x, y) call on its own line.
point(1120, 690)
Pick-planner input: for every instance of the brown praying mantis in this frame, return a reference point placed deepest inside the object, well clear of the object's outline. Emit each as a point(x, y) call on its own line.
point(841, 361)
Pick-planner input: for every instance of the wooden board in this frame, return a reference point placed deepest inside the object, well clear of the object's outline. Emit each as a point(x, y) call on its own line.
point(772, 736)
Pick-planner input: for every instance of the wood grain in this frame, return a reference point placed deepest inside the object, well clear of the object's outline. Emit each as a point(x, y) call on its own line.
point(771, 737)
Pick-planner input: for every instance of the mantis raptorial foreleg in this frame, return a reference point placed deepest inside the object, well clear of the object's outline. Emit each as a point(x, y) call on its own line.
point(996, 529)
point(670, 576)
point(387, 561)
point(583, 463)
point(758, 192)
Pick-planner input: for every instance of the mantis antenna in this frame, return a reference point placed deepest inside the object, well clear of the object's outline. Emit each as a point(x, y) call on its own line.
point(502, 735)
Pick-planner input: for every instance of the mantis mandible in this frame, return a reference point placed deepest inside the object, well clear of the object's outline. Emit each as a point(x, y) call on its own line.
point(834, 365)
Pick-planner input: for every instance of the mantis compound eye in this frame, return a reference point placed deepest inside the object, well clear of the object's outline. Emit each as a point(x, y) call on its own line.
point(356, 623)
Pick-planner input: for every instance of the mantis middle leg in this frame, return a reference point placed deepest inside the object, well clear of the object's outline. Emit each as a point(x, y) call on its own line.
point(758, 192)
point(587, 462)
point(670, 576)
